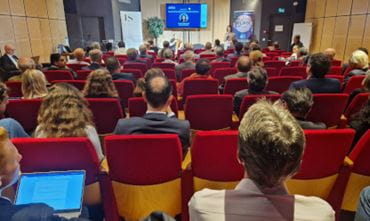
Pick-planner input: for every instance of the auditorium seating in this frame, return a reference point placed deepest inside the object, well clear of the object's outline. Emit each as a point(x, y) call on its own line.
point(233, 61)
point(353, 83)
point(142, 66)
point(281, 83)
point(152, 183)
point(199, 86)
point(83, 74)
point(216, 65)
point(58, 75)
point(220, 73)
point(335, 70)
point(15, 88)
point(293, 71)
point(322, 160)
point(79, 84)
point(209, 112)
point(328, 108)
point(234, 85)
point(174, 88)
point(336, 63)
point(356, 104)
point(249, 100)
point(164, 65)
point(25, 111)
point(137, 73)
point(106, 113)
point(170, 73)
point(76, 67)
point(137, 106)
point(340, 78)
point(275, 64)
point(186, 73)
point(125, 90)
point(271, 71)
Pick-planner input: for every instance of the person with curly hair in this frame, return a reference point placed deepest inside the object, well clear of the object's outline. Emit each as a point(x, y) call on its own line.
point(34, 84)
point(64, 112)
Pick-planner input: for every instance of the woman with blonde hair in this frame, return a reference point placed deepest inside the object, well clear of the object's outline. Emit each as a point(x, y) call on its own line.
point(99, 84)
point(359, 62)
point(34, 84)
point(64, 112)
point(256, 58)
point(79, 55)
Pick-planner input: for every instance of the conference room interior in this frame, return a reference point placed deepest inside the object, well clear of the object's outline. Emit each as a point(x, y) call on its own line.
point(184, 110)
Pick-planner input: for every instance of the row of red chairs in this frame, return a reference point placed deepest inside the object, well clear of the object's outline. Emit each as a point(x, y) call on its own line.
point(321, 174)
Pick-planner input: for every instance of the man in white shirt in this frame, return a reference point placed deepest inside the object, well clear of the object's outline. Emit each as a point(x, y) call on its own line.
point(270, 148)
point(9, 62)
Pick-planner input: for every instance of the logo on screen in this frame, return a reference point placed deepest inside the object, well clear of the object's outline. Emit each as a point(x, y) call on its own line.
point(243, 23)
point(183, 18)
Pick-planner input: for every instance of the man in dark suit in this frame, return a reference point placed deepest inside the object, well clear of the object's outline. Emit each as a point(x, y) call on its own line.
point(318, 66)
point(143, 52)
point(159, 119)
point(188, 63)
point(9, 63)
point(132, 57)
point(220, 55)
point(114, 68)
point(96, 59)
point(59, 62)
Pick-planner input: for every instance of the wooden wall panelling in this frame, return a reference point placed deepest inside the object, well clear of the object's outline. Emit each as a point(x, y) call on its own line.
point(368, 8)
point(52, 7)
point(21, 36)
point(6, 31)
point(327, 34)
point(4, 7)
point(366, 40)
point(320, 8)
point(60, 9)
point(54, 29)
point(360, 6)
point(331, 8)
point(31, 7)
point(340, 35)
point(355, 34)
point(344, 7)
point(35, 36)
point(310, 8)
point(220, 12)
point(46, 39)
point(207, 34)
point(17, 7)
point(316, 35)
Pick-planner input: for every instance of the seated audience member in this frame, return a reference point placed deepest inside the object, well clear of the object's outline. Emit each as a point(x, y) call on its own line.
point(159, 118)
point(79, 55)
point(152, 46)
point(361, 121)
point(108, 47)
point(9, 174)
point(114, 68)
point(220, 55)
point(363, 207)
point(238, 51)
point(24, 63)
point(217, 44)
point(365, 88)
point(168, 56)
point(143, 52)
point(271, 145)
point(359, 62)
point(188, 63)
point(121, 50)
point(166, 45)
point(299, 102)
point(330, 53)
point(132, 57)
point(243, 66)
point(64, 112)
point(96, 60)
point(140, 85)
point(202, 68)
point(34, 84)
point(276, 46)
point(59, 62)
point(318, 67)
point(12, 126)
point(296, 42)
point(257, 82)
point(208, 49)
point(303, 56)
point(294, 55)
point(95, 45)
point(9, 62)
point(256, 58)
point(270, 45)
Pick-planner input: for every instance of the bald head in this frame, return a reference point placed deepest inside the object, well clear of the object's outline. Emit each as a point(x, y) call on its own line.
point(26, 63)
point(188, 55)
point(157, 91)
point(9, 49)
point(244, 64)
point(330, 53)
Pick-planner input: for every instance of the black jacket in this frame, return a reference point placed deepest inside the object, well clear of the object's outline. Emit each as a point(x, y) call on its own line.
point(319, 85)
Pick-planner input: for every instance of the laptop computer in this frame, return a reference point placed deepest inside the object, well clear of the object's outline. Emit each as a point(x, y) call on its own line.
point(63, 191)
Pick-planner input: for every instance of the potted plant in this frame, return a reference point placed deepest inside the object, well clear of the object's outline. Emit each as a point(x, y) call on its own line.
point(155, 27)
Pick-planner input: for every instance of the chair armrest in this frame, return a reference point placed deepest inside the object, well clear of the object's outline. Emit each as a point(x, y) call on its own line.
point(109, 200)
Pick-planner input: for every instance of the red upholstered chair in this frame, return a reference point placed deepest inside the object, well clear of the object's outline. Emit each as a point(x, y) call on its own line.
point(136, 72)
point(322, 160)
point(200, 86)
point(216, 65)
point(125, 89)
point(286, 54)
point(338, 77)
point(356, 104)
point(295, 63)
point(152, 183)
point(234, 85)
point(281, 83)
point(328, 108)
point(267, 58)
point(83, 74)
point(275, 64)
point(79, 84)
point(15, 88)
point(198, 51)
point(170, 73)
point(271, 72)
point(219, 116)
point(148, 61)
point(106, 112)
point(186, 73)
point(293, 71)
point(353, 83)
point(142, 66)
point(233, 61)
point(336, 63)
point(121, 56)
point(359, 176)
point(220, 73)
point(122, 60)
point(272, 54)
point(335, 70)
point(76, 67)
point(58, 75)
point(164, 65)
point(152, 53)
point(174, 88)
point(249, 100)
point(137, 106)
point(158, 60)
point(25, 111)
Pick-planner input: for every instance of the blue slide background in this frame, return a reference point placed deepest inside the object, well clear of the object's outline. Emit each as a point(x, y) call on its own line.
point(196, 15)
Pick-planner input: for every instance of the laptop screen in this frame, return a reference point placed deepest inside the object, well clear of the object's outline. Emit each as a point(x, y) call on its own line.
point(63, 191)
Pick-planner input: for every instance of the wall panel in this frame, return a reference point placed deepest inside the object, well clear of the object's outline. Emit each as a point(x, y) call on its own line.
point(17, 7)
point(4, 7)
point(23, 45)
point(6, 31)
point(320, 8)
point(340, 35)
point(331, 8)
point(355, 34)
point(317, 27)
point(344, 7)
point(310, 9)
point(327, 34)
point(366, 40)
point(360, 6)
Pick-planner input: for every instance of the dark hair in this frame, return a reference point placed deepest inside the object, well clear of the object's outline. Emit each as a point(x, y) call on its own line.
point(217, 43)
point(121, 44)
point(257, 79)
point(238, 47)
point(319, 65)
point(298, 37)
point(157, 95)
point(364, 50)
point(108, 46)
point(202, 66)
point(3, 91)
point(54, 58)
point(298, 101)
point(166, 44)
point(131, 54)
point(151, 42)
point(112, 64)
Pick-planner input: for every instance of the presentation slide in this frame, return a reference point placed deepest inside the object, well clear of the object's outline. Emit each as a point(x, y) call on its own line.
point(60, 191)
point(186, 15)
